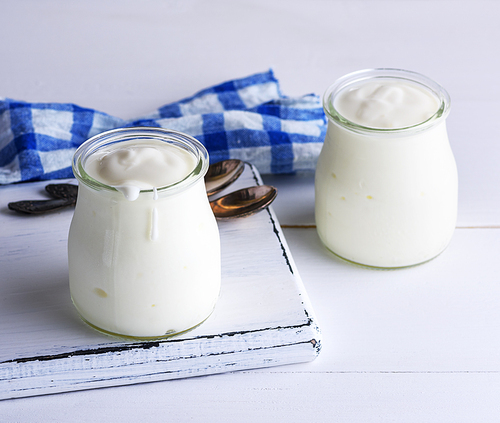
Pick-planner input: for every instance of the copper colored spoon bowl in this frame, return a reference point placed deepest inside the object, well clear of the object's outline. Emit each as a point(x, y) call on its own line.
point(222, 174)
point(244, 202)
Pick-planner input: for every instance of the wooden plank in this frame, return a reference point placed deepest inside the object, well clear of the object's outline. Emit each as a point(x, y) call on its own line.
point(263, 317)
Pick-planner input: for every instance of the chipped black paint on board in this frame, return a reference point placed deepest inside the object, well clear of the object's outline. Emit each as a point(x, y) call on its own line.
point(275, 228)
point(156, 344)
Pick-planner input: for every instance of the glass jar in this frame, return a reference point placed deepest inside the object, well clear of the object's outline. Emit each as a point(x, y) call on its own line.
point(386, 197)
point(151, 267)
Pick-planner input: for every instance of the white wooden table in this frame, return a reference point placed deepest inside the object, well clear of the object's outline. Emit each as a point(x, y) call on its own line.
point(414, 345)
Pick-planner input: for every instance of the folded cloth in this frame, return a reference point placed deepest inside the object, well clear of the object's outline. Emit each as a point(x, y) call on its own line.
point(247, 119)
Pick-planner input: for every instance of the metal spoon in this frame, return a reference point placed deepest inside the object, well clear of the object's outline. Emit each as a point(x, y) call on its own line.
point(222, 174)
point(244, 202)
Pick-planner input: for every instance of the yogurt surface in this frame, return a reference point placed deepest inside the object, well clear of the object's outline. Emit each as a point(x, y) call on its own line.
point(386, 104)
point(134, 166)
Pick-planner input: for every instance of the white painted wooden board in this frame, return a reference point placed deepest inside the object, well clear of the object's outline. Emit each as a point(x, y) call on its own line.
point(263, 317)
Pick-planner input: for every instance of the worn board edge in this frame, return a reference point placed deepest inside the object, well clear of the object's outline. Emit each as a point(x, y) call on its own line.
point(132, 363)
point(103, 369)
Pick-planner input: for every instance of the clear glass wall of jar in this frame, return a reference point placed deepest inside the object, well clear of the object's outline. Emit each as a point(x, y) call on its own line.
point(147, 268)
point(386, 197)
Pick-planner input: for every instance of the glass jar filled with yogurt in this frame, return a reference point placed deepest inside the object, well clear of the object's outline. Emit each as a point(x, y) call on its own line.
point(144, 248)
point(386, 179)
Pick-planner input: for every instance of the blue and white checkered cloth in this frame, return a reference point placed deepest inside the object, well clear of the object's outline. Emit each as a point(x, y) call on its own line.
point(246, 118)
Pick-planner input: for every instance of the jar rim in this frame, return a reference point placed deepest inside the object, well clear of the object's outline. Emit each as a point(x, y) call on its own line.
point(114, 136)
point(392, 74)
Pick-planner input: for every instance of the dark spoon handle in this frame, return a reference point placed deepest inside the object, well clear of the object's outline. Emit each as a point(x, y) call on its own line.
point(40, 206)
point(68, 191)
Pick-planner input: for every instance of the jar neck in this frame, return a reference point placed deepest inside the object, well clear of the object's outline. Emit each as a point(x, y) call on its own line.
point(128, 136)
point(394, 75)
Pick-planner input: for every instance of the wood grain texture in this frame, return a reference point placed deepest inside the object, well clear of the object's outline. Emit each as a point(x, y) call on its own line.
point(263, 317)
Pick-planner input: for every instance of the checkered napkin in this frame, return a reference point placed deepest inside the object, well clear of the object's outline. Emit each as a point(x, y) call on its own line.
point(246, 118)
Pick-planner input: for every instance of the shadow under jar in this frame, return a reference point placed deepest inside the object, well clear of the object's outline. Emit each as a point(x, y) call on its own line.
point(144, 247)
point(386, 180)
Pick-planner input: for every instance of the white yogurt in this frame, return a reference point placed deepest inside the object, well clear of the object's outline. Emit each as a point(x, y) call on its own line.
point(386, 104)
point(144, 258)
point(131, 166)
point(386, 179)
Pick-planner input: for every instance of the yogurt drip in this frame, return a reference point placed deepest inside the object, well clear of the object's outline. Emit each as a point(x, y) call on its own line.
point(386, 104)
point(140, 165)
point(154, 217)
